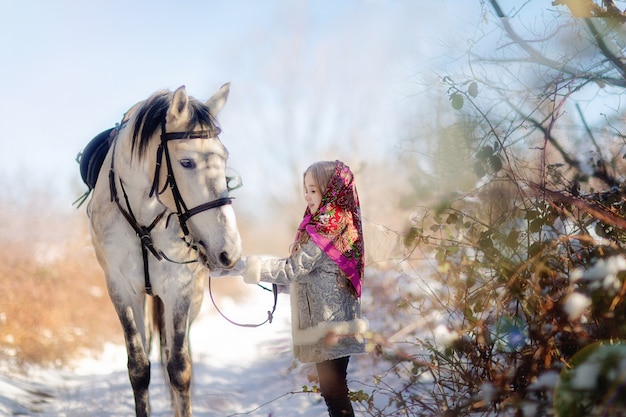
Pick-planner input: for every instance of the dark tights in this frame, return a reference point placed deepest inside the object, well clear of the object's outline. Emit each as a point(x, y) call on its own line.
point(334, 388)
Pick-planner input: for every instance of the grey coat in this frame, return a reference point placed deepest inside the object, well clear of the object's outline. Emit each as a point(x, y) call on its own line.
point(325, 316)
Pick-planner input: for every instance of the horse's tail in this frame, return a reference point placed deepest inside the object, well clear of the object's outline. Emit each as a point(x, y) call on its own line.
point(157, 329)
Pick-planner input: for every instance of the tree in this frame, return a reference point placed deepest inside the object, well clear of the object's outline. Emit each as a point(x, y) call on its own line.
point(530, 268)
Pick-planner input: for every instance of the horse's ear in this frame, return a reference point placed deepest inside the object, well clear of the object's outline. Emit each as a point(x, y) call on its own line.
point(217, 101)
point(179, 109)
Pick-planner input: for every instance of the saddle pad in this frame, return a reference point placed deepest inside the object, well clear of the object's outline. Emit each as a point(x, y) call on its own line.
point(92, 157)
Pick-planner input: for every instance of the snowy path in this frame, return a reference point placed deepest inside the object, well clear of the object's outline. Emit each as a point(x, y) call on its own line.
point(237, 371)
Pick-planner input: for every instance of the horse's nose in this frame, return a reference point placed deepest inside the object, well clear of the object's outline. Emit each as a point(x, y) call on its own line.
point(226, 259)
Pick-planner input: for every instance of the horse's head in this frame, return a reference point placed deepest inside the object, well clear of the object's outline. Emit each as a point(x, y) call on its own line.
point(190, 174)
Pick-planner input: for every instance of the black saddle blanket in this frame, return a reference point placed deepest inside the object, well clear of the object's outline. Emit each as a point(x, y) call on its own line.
point(92, 157)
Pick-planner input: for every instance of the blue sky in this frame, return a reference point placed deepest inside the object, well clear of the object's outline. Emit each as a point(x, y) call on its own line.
point(309, 75)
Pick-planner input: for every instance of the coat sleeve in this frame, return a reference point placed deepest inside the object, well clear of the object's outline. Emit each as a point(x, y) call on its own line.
point(283, 271)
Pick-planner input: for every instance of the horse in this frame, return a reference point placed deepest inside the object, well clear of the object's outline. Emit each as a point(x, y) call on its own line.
point(160, 219)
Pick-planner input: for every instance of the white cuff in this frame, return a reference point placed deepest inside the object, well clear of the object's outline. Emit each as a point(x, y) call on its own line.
point(252, 273)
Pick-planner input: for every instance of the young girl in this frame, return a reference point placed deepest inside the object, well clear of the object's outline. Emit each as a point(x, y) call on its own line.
point(324, 273)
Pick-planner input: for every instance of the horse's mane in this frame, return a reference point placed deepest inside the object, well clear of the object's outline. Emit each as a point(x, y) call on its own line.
point(151, 114)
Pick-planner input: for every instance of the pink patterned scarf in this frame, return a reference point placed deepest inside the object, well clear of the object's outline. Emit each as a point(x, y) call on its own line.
point(336, 226)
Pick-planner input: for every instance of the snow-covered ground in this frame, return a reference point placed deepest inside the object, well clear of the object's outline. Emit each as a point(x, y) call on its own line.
point(237, 371)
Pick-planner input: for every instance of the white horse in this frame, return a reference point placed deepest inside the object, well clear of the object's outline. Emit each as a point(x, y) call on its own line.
point(161, 218)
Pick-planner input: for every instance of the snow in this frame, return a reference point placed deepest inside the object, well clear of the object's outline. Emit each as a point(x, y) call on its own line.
point(603, 273)
point(237, 371)
point(585, 376)
point(488, 392)
point(444, 336)
point(546, 381)
point(575, 305)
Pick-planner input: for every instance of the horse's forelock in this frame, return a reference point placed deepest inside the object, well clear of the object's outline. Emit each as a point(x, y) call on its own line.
point(152, 114)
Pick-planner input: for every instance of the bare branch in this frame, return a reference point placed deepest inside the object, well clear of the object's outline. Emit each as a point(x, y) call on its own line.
point(534, 54)
point(592, 10)
point(591, 207)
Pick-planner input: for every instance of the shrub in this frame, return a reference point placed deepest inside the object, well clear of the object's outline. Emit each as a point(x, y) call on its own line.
point(53, 304)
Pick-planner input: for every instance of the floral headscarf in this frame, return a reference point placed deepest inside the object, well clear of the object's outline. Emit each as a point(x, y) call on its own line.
point(336, 226)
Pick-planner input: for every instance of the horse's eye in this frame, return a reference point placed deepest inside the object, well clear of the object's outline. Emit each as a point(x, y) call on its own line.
point(187, 163)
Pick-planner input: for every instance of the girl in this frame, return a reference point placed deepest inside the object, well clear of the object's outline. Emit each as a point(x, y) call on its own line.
point(324, 273)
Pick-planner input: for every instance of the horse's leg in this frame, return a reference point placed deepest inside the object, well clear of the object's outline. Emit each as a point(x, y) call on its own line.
point(172, 324)
point(131, 316)
point(179, 358)
point(198, 297)
point(198, 293)
point(158, 317)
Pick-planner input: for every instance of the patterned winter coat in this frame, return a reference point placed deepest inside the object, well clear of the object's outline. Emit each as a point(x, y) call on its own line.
point(325, 316)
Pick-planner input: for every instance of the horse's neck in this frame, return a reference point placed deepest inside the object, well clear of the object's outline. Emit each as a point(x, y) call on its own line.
point(133, 181)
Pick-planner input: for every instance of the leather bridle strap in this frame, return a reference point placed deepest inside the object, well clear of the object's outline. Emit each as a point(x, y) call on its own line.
point(203, 207)
point(143, 232)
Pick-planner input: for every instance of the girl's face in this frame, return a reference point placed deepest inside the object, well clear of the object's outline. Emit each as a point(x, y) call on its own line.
point(312, 193)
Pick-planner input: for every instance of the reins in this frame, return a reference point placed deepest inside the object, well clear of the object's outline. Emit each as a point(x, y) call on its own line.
point(270, 314)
